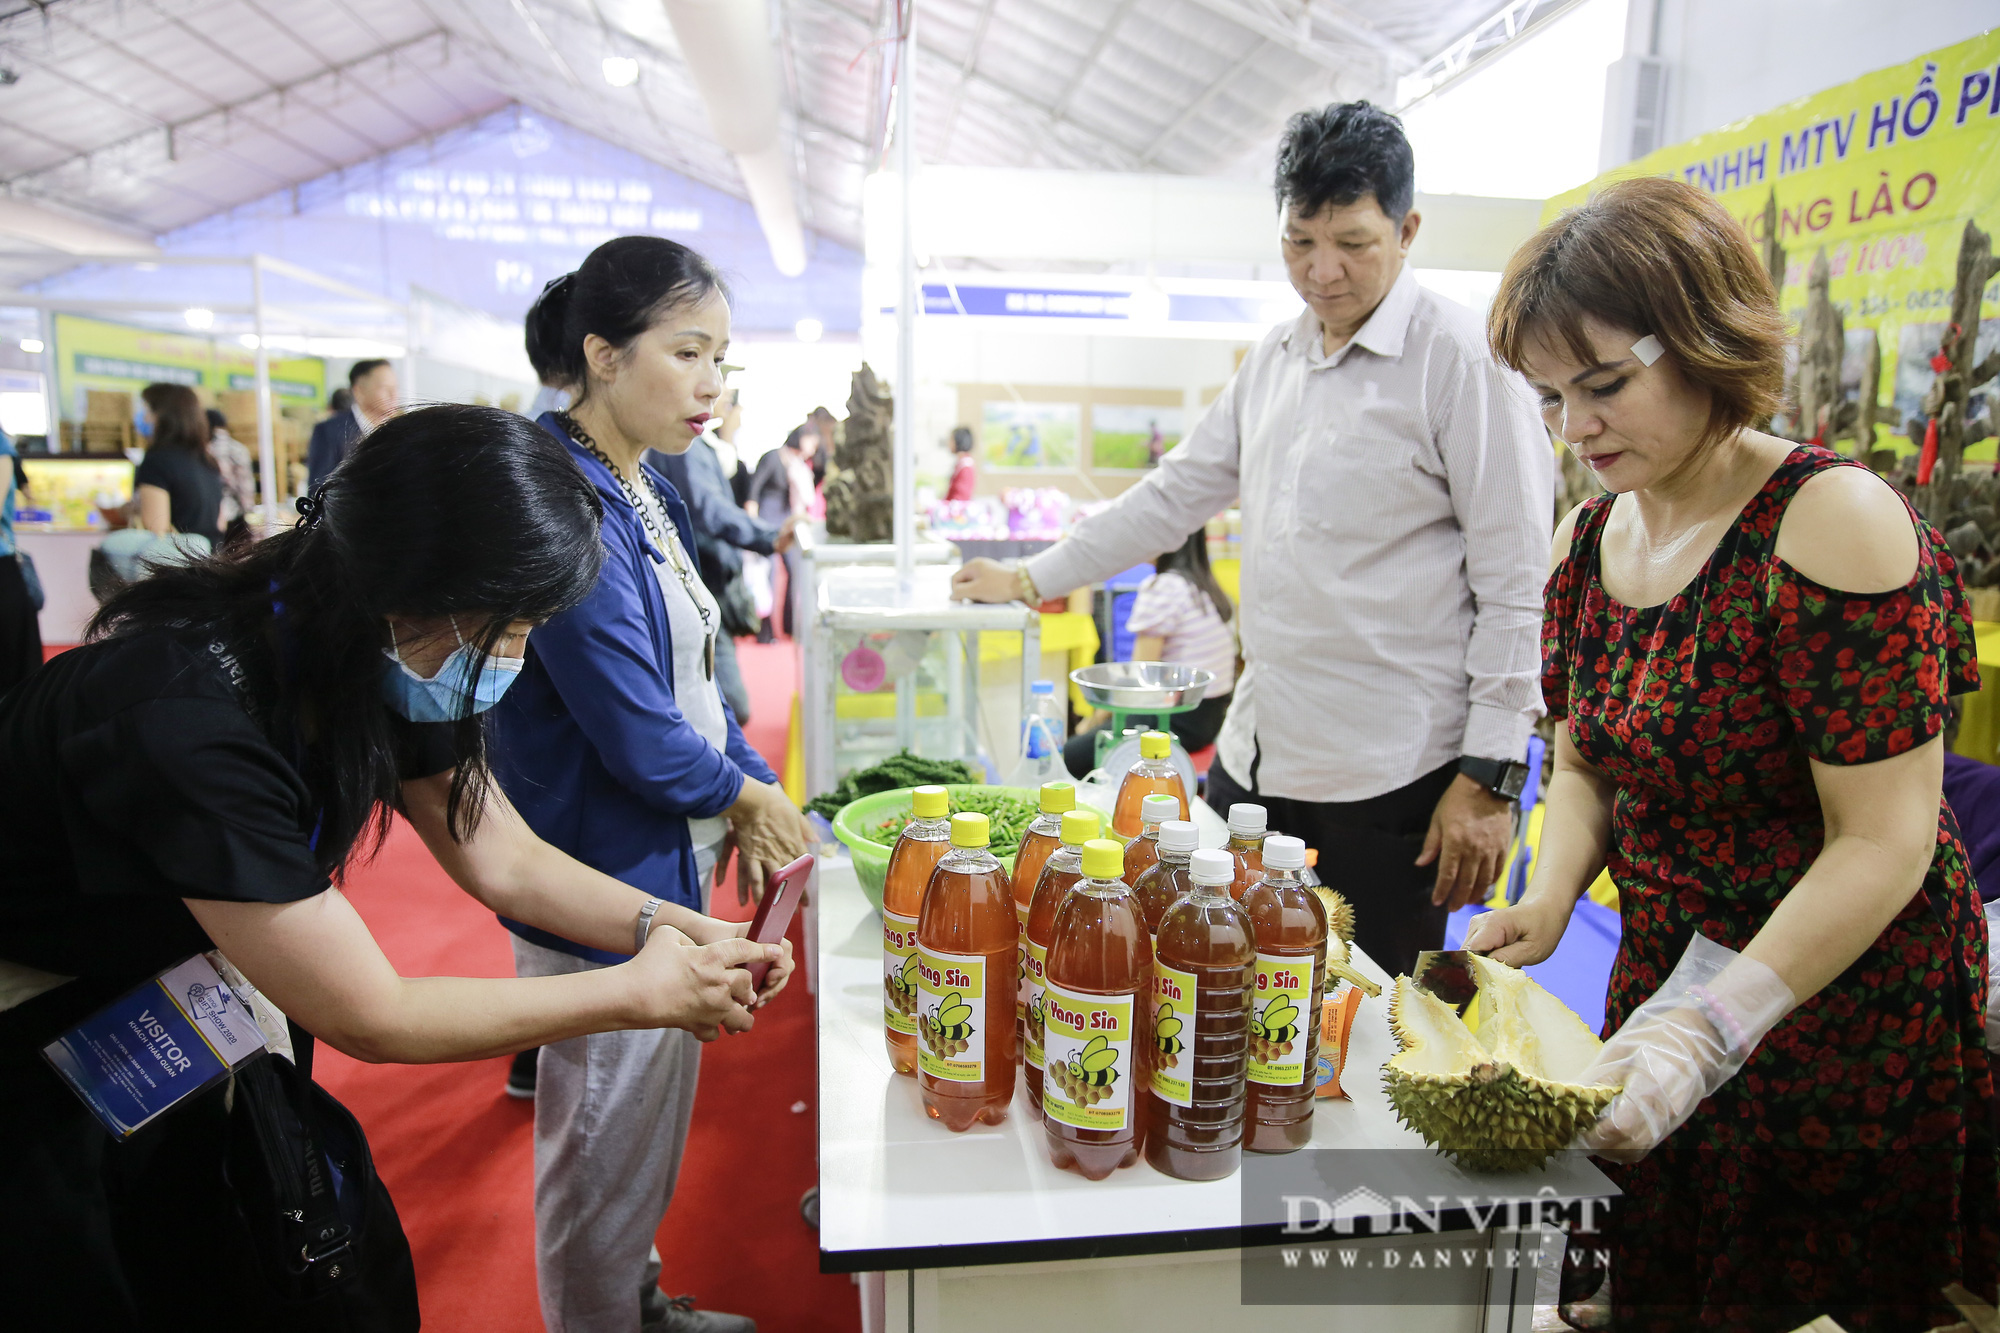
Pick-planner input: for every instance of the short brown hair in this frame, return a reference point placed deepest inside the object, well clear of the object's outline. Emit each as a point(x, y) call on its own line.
point(1659, 257)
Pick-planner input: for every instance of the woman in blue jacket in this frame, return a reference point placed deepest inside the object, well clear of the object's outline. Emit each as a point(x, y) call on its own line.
point(616, 746)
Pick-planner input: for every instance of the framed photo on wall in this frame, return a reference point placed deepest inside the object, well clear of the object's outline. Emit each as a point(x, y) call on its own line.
point(1030, 436)
point(1131, 437)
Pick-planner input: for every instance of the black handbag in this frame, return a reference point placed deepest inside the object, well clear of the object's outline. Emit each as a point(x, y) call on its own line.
point(738, 607)
point(328, 1251)
point(36, 597)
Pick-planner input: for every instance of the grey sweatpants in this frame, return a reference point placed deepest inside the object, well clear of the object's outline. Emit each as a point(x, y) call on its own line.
point(611, 1120)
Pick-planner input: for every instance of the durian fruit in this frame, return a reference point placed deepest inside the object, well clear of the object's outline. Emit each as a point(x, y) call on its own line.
point(1339, 964)
point(1506, 1098)
point(1339, 913)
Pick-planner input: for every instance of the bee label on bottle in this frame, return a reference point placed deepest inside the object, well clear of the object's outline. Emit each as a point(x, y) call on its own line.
point(1037, 964)
point(1173, 1035)
point(899, 973)
point(1087, 1043)
point(951, 1015)
point(1280, 1007)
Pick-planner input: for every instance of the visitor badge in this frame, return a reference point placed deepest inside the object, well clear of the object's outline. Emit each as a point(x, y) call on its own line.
point(154, 1047)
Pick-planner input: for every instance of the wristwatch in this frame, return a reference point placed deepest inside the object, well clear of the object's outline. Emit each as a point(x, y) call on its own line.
point(1503, 778)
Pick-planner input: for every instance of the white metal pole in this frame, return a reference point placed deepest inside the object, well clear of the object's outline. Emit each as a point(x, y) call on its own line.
point(50, 393)
point(906, 303)
point(267, 454)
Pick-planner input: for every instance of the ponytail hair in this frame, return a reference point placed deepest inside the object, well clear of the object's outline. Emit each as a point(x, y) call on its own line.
point(469, 512)
point(622, 288)
point(1190, 561)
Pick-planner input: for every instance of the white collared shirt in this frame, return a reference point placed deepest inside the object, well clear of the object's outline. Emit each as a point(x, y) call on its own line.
point(1397, 501)
point(360, 419)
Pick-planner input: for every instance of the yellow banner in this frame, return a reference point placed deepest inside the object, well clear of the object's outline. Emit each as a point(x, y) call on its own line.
point(1881, 173)
point(98, 354)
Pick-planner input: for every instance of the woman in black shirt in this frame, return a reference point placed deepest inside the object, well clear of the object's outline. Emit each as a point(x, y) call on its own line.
point(236, 733)
point(178, 483)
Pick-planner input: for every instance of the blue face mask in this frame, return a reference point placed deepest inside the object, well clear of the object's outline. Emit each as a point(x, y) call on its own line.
point(467, 671)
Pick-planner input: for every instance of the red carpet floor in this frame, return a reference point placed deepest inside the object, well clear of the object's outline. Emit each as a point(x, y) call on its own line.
point(458, 1154)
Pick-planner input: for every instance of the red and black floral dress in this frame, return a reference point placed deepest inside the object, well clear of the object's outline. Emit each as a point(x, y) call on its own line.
point(1849, 1169)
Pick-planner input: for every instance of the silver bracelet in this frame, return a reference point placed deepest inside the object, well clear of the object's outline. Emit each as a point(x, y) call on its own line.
point(645, 924)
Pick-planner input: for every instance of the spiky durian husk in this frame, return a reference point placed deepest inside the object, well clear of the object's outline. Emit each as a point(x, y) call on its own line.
point(1339, 913)
point(1485, 1111)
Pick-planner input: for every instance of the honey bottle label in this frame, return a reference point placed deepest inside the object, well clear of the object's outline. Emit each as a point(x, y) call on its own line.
point(1021, 988)
point(1280, 1007)
point(1037, 963)
point(1087, 1042)
point(899, 973)
point(1173, 1034)
point(951, 1015)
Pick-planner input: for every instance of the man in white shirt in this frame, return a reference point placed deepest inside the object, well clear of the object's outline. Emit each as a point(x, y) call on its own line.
point(1397, 491)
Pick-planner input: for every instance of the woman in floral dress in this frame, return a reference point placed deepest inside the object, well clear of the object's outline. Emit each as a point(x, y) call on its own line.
point(1753, 644)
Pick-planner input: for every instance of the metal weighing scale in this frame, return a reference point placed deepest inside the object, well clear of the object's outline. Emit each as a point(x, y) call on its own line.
point(1156, 690)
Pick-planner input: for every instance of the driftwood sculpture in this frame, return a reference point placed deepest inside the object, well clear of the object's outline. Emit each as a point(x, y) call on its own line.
point(1822, 347)
point(1941, 428)
point(1964, 506)
point(1774, 254)
point(861, 477)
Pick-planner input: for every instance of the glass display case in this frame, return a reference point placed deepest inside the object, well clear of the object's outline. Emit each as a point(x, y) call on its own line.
point(68, 493)
point(892, 665)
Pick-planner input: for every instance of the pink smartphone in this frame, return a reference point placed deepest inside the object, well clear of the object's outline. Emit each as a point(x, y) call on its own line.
point(774, 913)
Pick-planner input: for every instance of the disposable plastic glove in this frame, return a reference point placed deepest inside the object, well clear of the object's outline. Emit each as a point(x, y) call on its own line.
point(1681, 1045)
point(1993, 976)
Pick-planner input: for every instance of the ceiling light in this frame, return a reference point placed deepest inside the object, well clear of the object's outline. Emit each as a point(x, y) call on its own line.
point(621, 71)
point(249, 340)
point(32, 346)
point(809, 330)
point(199, 317)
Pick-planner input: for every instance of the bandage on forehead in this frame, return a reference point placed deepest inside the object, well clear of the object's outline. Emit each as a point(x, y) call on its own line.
point(1648, 349)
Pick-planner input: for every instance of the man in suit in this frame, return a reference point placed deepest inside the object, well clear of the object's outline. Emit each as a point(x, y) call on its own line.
point(372, 386)
point(724, 531)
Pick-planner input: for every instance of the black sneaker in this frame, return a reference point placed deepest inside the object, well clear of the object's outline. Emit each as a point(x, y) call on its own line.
point(680, 1316)
point(521, 1077)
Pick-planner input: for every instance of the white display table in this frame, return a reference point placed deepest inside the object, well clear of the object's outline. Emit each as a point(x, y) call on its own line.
point(977, 1231)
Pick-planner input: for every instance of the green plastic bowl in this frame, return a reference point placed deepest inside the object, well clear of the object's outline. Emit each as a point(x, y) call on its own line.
point(871, 858)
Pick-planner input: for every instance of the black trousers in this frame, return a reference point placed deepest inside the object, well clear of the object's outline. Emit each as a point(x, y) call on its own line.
point(20, 631)
point(1367, 852)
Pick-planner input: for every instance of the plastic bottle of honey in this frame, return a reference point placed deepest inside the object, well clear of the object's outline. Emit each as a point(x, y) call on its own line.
point(1167, 882)
point(921, 845)
point(1247, 823)
point(1153, 775)
point(1290, 930)
point(1097, 1027)
point(967, 936)
point(1044, 835)
point(1059, 875)
point(1191, 1110)
point(1144, 850)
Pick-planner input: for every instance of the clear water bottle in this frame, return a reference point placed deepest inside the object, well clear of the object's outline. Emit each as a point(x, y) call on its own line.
point(1040, 759)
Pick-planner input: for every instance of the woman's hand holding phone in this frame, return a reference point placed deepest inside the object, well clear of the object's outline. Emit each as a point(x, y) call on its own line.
point(704, 988)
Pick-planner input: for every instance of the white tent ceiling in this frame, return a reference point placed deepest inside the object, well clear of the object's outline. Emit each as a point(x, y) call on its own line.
point(145, 115)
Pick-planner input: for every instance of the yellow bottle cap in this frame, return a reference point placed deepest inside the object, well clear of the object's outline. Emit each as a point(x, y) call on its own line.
point(970, 830)
point(1154, 745)
point(1058, 797)
point(1080, 826)
point(930, 803)
point(1103, 859)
